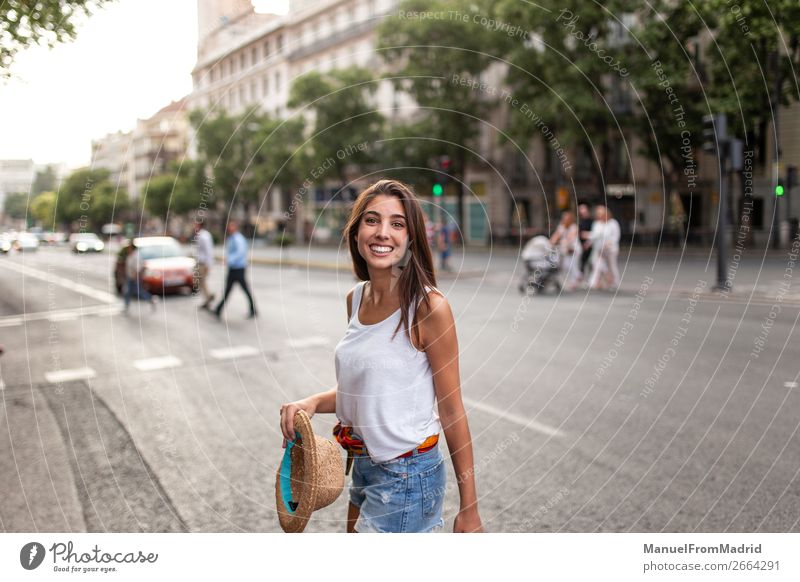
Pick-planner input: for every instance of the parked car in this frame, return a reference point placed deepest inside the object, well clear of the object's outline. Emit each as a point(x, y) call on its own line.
point(166, 266)
point(85, 242)
point(26, 242)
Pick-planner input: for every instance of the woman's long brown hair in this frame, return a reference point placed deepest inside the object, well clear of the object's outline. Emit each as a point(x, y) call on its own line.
point(417, 274)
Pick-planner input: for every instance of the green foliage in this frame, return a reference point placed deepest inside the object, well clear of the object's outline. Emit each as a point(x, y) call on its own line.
point(24, 23)
point(249, 153)
point(427, 58)
point(344, 115)
point(742, 64)
point(667, 80)
point(16, 205)
point(178, 191)
point(87, 197)
point(43, 209)
point(45, 181)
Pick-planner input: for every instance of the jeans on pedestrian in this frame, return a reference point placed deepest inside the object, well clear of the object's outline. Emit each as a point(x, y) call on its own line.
point(133, 287)
point(401, 495)
point(236, 276)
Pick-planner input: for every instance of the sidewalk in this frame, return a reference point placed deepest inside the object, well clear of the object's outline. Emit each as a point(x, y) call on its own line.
point(758, 275)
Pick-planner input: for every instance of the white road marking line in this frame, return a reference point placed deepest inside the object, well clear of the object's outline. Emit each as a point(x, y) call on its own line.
point(790, 384)
point(515, 418)
point(103, 296)
point(69, 375)
point(159, 363)
point(63, 317)
point(234, 352)
point(307, 342)
point(60, 314)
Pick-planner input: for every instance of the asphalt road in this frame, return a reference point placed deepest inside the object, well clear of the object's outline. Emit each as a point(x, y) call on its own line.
point(659, 408)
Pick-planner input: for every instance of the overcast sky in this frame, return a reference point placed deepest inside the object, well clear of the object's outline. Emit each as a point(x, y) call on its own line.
point(130, 59)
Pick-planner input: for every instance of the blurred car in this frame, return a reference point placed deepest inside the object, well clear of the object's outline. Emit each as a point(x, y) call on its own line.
point(165, 265)
point(26, 241)
point(86, 242)
point(55, 238)
point(6, 243)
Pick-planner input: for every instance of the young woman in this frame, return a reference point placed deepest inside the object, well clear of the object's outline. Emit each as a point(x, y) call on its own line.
point(396, 367)
point(569, 249)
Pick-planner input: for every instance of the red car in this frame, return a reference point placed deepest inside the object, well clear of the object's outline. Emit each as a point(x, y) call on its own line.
point(165, 265)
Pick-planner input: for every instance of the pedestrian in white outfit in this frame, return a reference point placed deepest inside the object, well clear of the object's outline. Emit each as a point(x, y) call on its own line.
point(604, 239)
point(205, 258)
point(569, 249)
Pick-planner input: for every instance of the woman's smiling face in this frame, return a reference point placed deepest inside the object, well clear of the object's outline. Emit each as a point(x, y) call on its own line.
point(382, 236)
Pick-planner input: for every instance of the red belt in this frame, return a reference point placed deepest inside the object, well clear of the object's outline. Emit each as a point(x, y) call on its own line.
point(354, 445)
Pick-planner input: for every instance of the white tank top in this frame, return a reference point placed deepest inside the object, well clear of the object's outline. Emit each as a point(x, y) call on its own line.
point(385, 386)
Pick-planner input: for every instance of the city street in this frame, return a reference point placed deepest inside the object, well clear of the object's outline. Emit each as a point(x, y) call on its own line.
point(662, 407)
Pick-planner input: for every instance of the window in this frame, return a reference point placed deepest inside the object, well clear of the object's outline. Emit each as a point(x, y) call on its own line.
point(254, 56)
point(277, 81)
point(266, 50)
point(253, 91)
point(280, 43)
point(265, 86)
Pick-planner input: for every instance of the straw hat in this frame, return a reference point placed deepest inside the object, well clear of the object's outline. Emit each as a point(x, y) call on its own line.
point(311, 476)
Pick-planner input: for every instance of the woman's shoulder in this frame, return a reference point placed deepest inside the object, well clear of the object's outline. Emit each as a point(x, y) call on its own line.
point(433, 304)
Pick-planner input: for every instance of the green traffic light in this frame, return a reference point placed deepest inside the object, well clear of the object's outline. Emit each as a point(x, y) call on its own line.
point(779, 190)
point(437, 189)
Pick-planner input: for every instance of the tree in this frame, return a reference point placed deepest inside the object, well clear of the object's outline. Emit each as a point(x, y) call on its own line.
point(45, 181)
point(43, 209)
point(756, 51)
point(16, 205)
point(346, 123)
point(667, 80)
point(176, 192)
point(428, 58)
point(228, 147)
point(24, 23)
point(568, 76)
point(87, 197)
point(250, 153)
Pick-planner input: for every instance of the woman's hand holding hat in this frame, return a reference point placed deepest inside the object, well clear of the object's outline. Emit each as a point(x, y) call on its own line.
point(287, 416)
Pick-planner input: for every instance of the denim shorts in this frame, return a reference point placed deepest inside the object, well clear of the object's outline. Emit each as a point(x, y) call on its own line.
point(401, 495)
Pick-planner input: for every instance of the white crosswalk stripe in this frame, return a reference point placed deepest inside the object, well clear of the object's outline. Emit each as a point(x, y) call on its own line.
point(159, 363)
point(58, 376)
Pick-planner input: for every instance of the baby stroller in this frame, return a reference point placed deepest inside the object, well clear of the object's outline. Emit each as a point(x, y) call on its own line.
point(541, 264)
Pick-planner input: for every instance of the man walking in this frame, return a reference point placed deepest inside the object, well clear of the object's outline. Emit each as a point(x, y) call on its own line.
point(205, 258)
point(236, 258)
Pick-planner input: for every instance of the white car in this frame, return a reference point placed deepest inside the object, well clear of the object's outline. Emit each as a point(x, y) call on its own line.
point(86, 242)
point(27, 242)
point(6, 243)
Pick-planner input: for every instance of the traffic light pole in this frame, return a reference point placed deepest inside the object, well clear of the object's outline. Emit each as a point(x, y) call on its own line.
point(723, 244)
point(728, 151)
